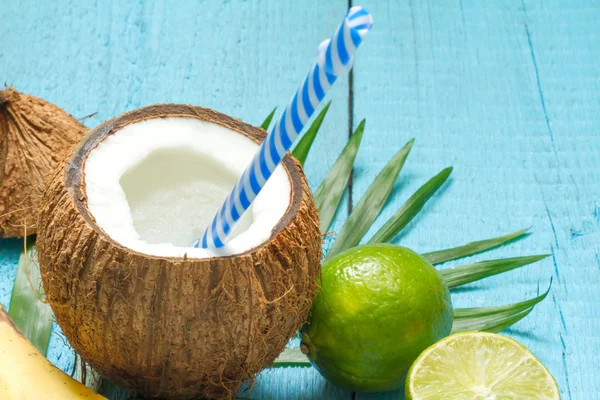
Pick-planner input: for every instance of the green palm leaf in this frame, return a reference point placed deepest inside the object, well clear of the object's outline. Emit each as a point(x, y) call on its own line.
point(492, 325)
point(440, 256)
point(499, 312)
point(329, 194)
point(458, 276)
point(303, 147)
point(32, 316)
point(494, 319)
point(267, 121)
point(370, 205)
point(411, 208)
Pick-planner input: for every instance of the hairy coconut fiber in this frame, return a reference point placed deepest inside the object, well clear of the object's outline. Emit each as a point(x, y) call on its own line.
point(35, 136)
point(175, 328)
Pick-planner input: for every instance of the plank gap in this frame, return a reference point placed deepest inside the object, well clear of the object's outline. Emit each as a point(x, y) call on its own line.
point(350, 125)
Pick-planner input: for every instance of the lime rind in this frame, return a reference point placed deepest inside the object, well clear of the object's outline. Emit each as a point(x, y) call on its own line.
point(378, 308)
point(481, 366)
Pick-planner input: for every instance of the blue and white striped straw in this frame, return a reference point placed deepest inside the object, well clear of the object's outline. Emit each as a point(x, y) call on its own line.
point(334, 57)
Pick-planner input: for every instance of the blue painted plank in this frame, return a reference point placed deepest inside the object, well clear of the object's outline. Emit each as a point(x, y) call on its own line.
point(241, 58)
point(507, 92)
point(238, 57)
point(10, 250)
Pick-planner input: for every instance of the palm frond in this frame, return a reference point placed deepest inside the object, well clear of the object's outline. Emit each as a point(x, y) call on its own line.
point(411, 208)
point(461, 275)
point(329, 194)
point(469, 249)
point(267, 122)
point(369, 207)
point(303, 146)
point(32, 316)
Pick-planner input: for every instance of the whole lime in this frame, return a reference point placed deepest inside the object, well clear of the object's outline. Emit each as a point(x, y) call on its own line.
point(379, 306)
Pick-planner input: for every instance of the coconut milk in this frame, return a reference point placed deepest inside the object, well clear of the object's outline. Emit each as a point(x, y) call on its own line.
point(174, 193)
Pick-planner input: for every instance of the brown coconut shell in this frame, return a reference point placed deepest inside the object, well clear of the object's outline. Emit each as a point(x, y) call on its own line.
point(35, 136)
point(175, 328)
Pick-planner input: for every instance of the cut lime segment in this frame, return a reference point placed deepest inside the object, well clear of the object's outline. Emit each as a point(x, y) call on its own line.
point(479, 366)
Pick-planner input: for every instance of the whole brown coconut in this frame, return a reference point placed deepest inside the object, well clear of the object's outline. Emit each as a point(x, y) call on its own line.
point(35, 136)
point(175, 327)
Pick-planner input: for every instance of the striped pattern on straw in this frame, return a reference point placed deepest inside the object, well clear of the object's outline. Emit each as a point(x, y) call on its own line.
point(335, 56)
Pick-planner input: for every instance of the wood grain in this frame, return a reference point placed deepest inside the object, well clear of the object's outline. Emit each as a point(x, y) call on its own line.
point(506, 92)
point(241, 58)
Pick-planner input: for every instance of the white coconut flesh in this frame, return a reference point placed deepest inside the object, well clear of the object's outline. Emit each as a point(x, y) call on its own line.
point(154, 186)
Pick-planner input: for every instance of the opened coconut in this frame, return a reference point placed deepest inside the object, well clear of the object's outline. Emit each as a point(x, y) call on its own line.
point(35, 136)
point(142, 306)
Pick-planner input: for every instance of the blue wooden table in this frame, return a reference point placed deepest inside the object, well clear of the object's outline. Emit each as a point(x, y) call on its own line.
point(508, 92)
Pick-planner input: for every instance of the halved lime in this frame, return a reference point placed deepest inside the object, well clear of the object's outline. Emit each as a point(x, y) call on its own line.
point(479, 366)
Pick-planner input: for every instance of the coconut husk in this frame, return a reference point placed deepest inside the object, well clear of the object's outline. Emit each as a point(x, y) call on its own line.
point(35, 136)
point(175, 328)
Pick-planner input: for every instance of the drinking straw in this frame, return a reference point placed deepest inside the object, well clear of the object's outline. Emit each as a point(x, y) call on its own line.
point(335, 56)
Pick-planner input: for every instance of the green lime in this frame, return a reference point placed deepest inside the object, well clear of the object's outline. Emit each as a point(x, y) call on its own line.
point(479, 366)
point(378, 308)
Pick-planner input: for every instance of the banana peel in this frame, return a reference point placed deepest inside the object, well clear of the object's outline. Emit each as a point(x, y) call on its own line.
point(26, 374)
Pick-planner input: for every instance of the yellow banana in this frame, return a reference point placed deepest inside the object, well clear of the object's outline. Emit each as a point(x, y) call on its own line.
point(25, 374)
